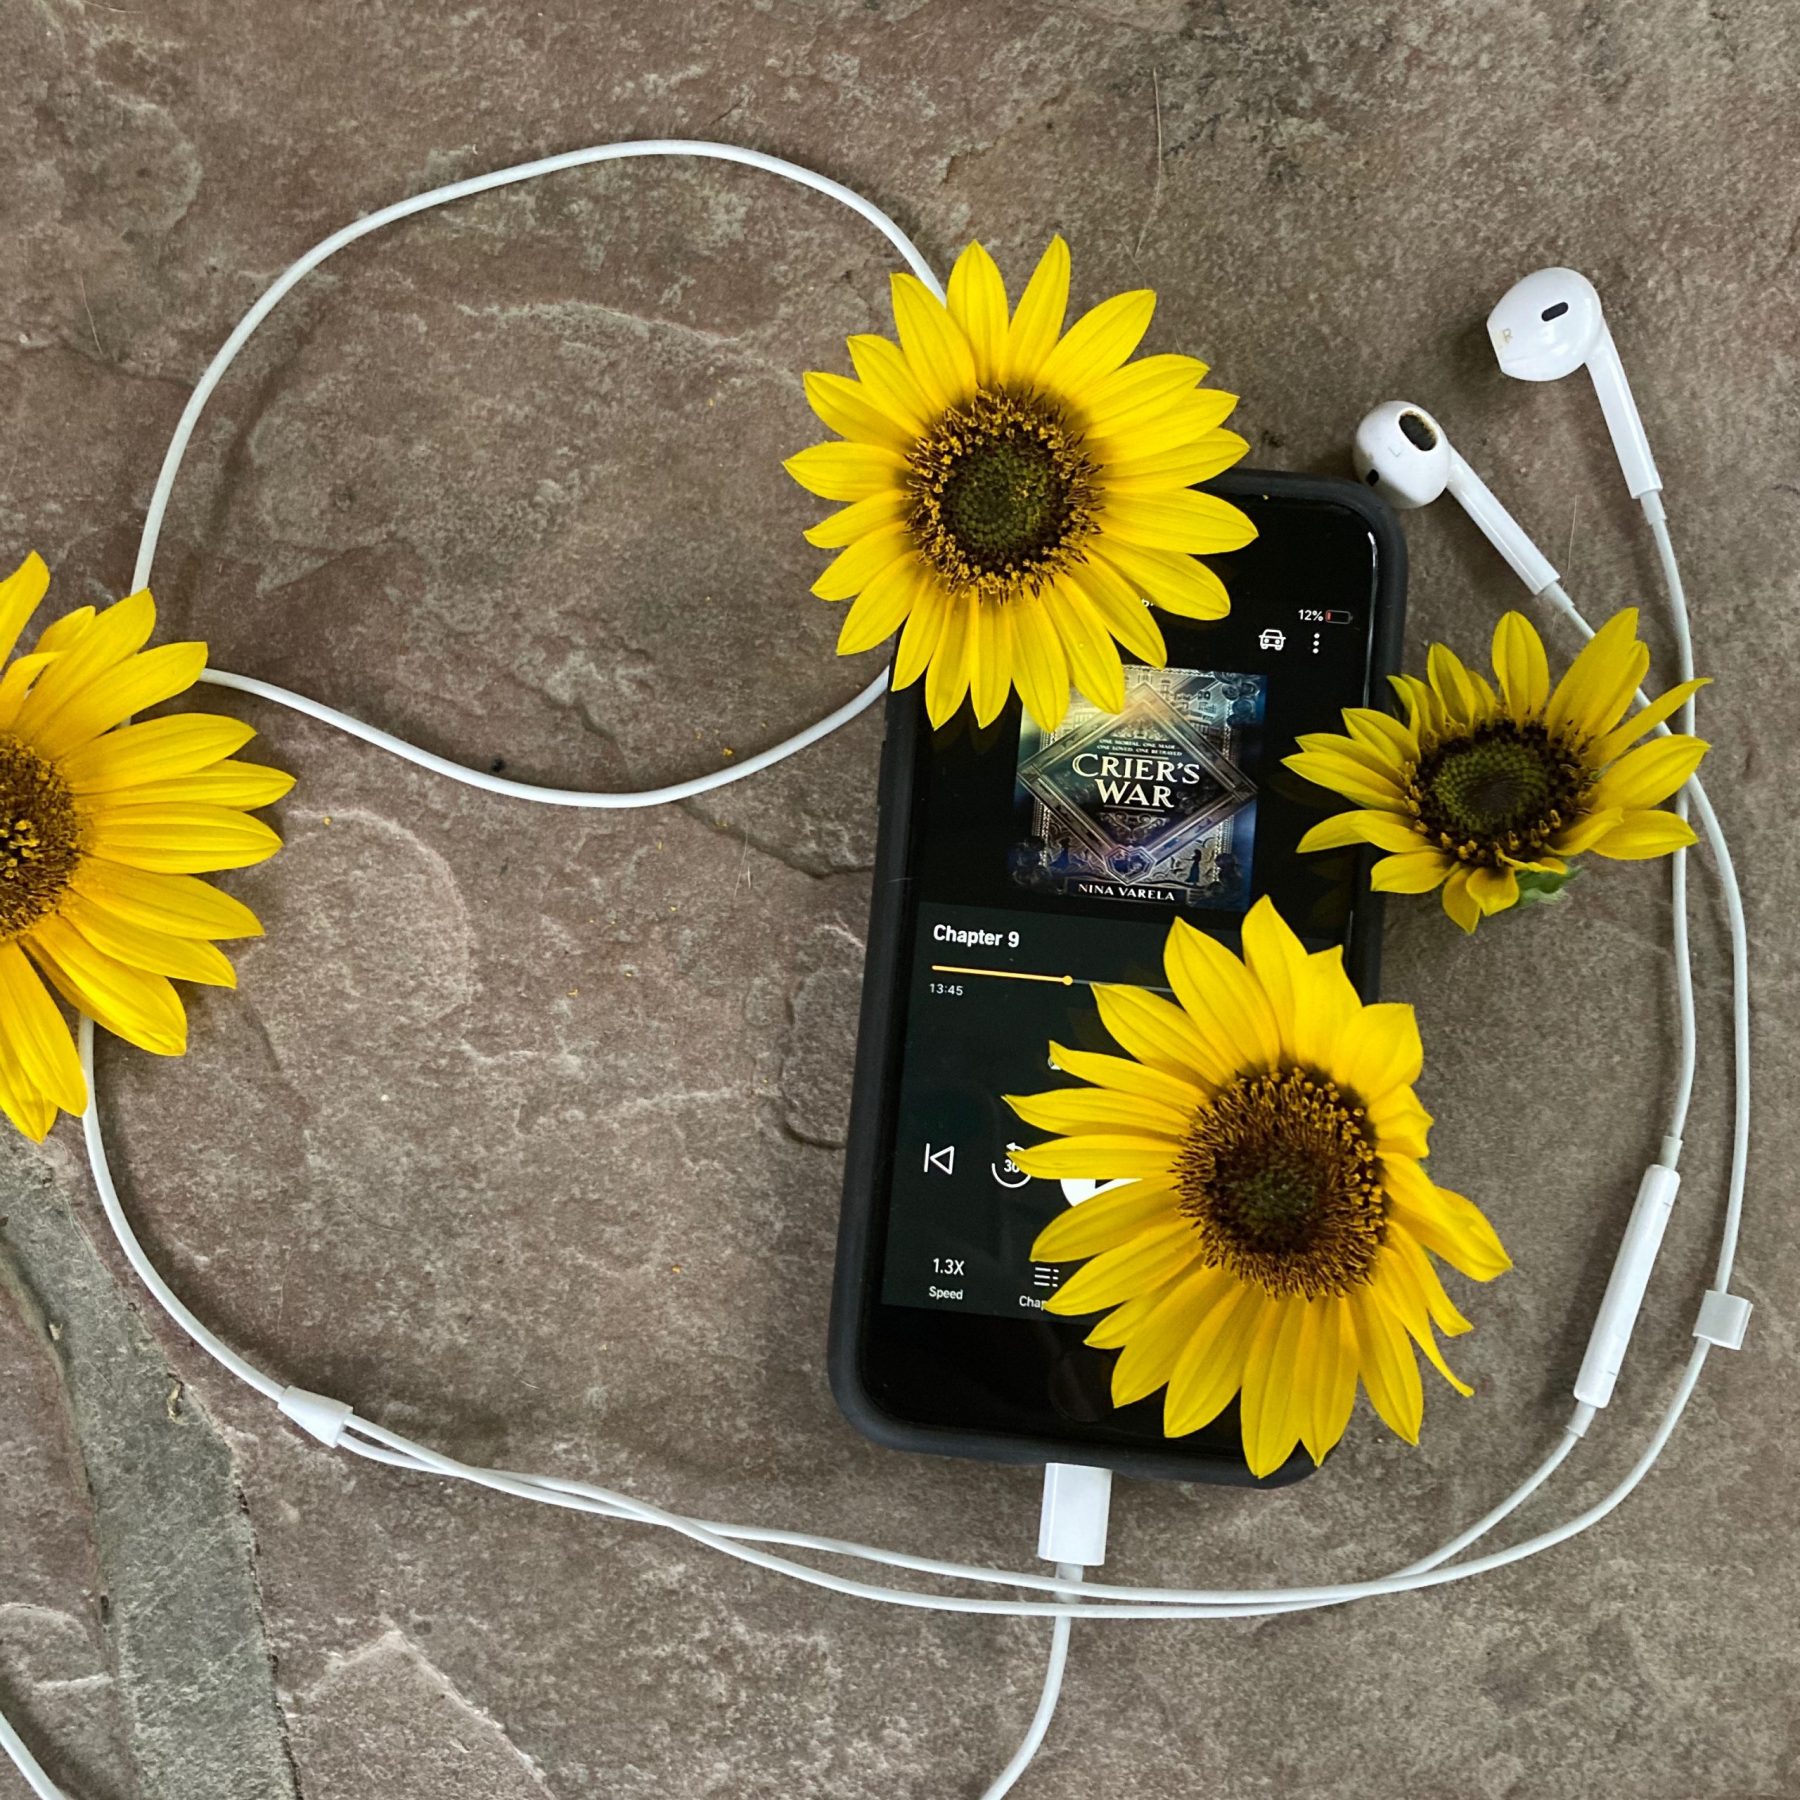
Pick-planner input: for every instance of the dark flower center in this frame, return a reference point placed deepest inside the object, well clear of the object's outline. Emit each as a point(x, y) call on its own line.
point(1500, 793)
point(1278, 1175)
point(40, 837)
point(1002, 491)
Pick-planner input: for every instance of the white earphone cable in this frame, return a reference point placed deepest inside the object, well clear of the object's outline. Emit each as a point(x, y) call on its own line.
point(1099, 1599)
point(30, 1769)
point(328, 247)
point(1066, 1594)
point(578, 1493)
point(1008, 1778)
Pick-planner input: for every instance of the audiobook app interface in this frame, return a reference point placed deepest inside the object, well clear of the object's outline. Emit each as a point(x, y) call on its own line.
point(1049, 861)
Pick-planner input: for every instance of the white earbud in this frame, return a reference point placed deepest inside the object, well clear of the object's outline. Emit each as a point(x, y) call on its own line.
point(1551, 324)
point(1401, 451)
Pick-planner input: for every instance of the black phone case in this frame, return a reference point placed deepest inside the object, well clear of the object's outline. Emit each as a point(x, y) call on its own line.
point(878, 1045)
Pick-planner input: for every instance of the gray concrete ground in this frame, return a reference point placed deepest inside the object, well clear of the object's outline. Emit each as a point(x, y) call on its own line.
point(525, 1129)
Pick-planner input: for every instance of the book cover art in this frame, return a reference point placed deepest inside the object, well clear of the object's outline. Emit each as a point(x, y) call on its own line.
point(1149, 804)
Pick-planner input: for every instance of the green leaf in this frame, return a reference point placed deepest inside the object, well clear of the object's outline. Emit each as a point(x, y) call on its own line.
point(1538, 887)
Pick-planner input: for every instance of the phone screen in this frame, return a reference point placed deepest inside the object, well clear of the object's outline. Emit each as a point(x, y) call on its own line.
point(1043, 862)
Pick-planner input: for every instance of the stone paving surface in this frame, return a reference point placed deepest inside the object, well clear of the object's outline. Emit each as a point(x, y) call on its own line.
point(525, 1129)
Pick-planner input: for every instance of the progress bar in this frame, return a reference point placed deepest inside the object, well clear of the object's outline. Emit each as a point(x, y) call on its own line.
point(1054, 980)
point(1002, 974)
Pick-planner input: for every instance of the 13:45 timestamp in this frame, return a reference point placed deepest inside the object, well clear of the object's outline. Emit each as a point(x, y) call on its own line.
point(945, 987)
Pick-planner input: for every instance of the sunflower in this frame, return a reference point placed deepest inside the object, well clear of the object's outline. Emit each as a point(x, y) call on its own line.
point(1486, 795)
point(1016, 491)
point(1275, 1231)
point(103, 828)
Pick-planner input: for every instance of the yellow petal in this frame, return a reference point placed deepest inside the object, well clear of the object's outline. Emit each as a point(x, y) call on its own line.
point(1105, 1222)
point(30, 1110)
point(1040, 664)
point(1410, 872)
point(978, 304)
point(61, 634)
point(1127, 397)
point(881, 608)
point(1326, 1006)
point(1343, 775)
point(924, 630)
point(229, 783)
point(1522, 666)
point(1078, 1109)
point(1159, 1033)
point(1169, 579)
point(840, 471)
point(180, 905)
point(1305, 1362)
point(37, 1034)
point(1125, 1076)
point(1390, 831)
point(852, 569)
point(1154, 1341)
point(157, 750)
point(1114, 1275)
point(1450, 680)
point(115, 634)
point(850, 411)
point(181, 840)
point(1096, 1156)
point(1586, 832)
point(1182, 520)
point(1398, 744)
point(1210, 1370)
point(1616, 741)
point(1493, 890)
point(1372, 758)
point(1442, 1310)
point(1600, 681)
point(20, 593)
point(15, 684)
point(1222, 998)
point(890, 384)
point(1402, 1127)
point(1269, 1419)
point(1444, 1222)
point(184, 958)
point(1396, 1289)
point(1118, 1326)
point(1649, 774)
point(1425, 715)
point(937, 353)
point(1380, 1051)
point(947, 679)
point(1334, 1379)
point(1184, 466)
point(1641, 835)
point(1120, 610)
point(1038, 322)
point(114, 694)
point(1098, 342)
point(1390, 1372)
point(1277, 963)
point(1093, 657)
point(1176, 422)
point(1459, 903)
point(858, 519)
point(990, 659)
point(133, 1004)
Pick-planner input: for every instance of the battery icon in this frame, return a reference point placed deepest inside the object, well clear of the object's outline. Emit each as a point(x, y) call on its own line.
point(1335, 615)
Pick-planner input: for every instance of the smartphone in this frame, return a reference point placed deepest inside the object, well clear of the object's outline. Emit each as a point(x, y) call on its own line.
point(1014, 868)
